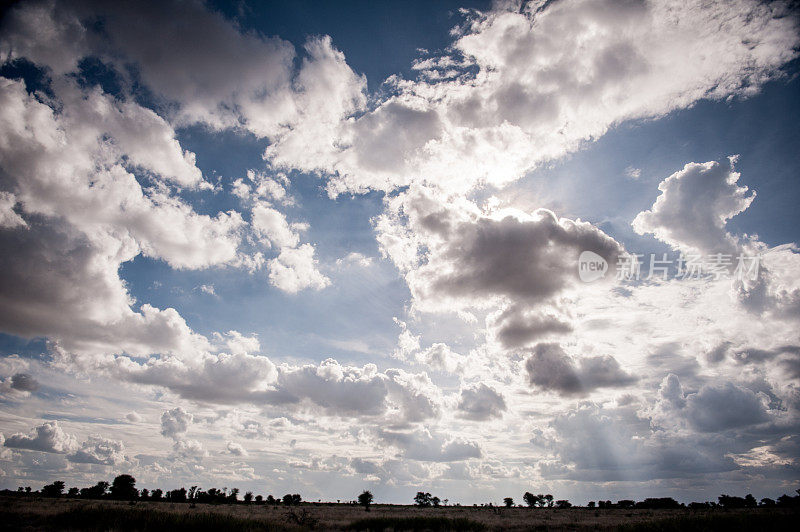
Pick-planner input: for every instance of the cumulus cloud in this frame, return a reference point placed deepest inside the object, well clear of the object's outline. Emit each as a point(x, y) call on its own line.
point(296, 269)
point(715, 407)
point(175, 423)
point(691, 214)
point(517, 326)
point(425, 446)
point(189, 449)
point(48, 437)
point(550, 368)
point(519, 73)
point(601, 444)
point(719, 407)
point(89, 215)
point(694, 206)
point(440, 357)
point(235, 449)
point(480, 403)
point(98, 450)
point(456, 256)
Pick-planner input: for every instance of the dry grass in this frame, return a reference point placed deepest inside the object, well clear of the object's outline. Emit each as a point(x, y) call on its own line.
point(33, 513)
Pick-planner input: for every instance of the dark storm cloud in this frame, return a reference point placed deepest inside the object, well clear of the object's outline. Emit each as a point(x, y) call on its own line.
point(24, 382)
point(480, 403)
point(550, 368)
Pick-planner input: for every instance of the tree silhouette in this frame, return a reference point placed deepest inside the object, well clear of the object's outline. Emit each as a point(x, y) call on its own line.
point(728, 501)
point(53, 490)
point(563, 504)
point(124, 488)
point(590, 504)
point(365, 499)
point(292, 500)
point(422, 498)
point(435, 501)
point(547, 500)
point(248, 497)
point(530, 499)
point(509, 502)
point(178, 495)
point(156, 495)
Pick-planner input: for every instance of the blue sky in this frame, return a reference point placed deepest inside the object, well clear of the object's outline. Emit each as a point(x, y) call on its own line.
point(320, 247)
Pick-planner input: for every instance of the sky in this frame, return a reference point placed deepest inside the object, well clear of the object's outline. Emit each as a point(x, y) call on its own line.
point(468, 248)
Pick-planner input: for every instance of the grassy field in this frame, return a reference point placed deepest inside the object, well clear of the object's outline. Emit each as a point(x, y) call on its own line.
point(70, 514)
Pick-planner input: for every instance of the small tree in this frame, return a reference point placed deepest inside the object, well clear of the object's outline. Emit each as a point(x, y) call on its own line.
point(124, 488)
point(365, 499)
point(530, 499)
point(422, 498)
point(156, 495)
point(292, 499)
point(248, 497)
point(590, 504)
point(178, 495)
point(232, 497)
point(54, 490)
point(547, 500)
point(509, 502)
point(563, 504)
point(144, 495)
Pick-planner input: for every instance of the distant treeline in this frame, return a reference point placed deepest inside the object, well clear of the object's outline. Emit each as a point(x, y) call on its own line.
point(123, 488)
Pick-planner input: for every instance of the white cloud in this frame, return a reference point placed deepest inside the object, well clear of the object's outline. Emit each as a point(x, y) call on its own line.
point(175, 423)
point(272, 225)
point(296, 269)
point(48, 437)
point(208, 289)
point(98, 450)
point(575, 68)
point(633, 173)
point(9, 219)
point(694, 206)
point(425, 446)
point(235, 449)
